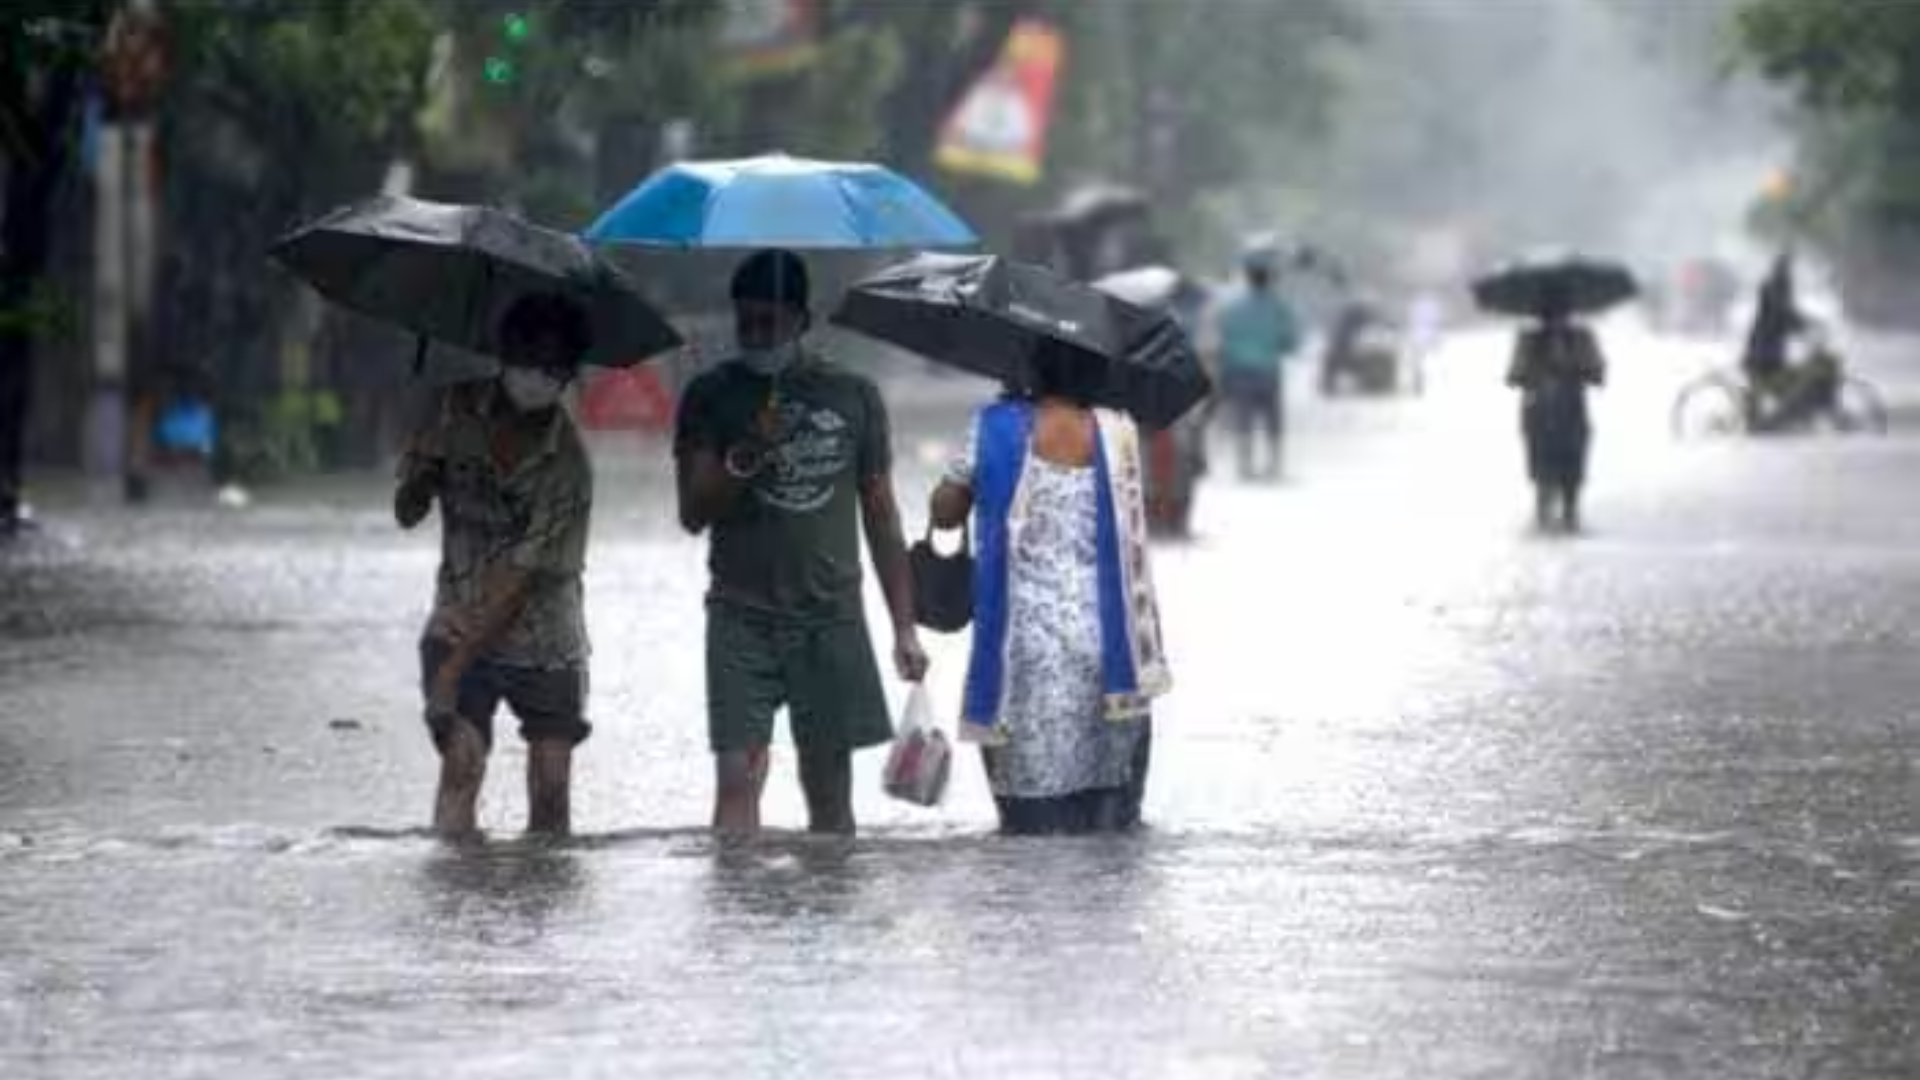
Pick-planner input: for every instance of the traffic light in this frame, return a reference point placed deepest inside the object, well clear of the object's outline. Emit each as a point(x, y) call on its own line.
point(515, 31)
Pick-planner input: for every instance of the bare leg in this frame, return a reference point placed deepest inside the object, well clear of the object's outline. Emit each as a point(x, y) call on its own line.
point(826, 777)
point(463, 768)
point(550, 787)
point(739, 778)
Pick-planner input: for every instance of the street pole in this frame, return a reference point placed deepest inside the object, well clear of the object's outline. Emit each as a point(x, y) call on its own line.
point(143, 355)
point(106, 442)
point(126, 227)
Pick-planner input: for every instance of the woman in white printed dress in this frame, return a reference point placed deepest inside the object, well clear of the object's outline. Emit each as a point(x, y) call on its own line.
point(1065, 658)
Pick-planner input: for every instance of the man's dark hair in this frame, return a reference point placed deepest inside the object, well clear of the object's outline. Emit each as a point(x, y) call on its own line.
point(774, 276)
point(539, 314)
point(1062, 371)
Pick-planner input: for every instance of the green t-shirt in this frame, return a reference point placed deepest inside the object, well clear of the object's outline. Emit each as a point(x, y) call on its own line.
point(791, 545)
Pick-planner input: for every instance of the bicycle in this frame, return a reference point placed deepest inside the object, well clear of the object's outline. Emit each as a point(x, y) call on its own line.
point(1817, 393)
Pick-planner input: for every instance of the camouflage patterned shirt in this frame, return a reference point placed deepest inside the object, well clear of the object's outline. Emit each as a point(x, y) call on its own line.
point(532, 517)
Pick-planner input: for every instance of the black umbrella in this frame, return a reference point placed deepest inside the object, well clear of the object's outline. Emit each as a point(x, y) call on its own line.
point(1094, 202)
point(987, 315)
point(450, 273)
point(1575, 285)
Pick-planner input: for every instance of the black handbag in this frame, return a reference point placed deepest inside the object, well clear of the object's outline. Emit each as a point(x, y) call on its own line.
point(942, 584)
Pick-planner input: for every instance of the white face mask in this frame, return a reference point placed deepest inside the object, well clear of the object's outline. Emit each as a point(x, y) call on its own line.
point(530, 389)
point(771, 361)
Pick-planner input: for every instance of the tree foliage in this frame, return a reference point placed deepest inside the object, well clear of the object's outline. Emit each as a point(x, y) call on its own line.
point(1182, 95)
point(1192, 102)
point(1855, 67)
point(45, 49)
point(331, 85)
point(273, 112)
point(276, 110)
point(1841, 55)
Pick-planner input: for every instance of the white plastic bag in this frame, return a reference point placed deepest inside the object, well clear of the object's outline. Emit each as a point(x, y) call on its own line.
point(921, 759)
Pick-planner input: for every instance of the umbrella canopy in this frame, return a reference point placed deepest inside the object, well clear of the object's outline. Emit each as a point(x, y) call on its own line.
point(987, 315)
point(450, 273)
point(1576, 285)
point(1094, 202)
point(1161, 288)
point(1146, 286)
point(781, 201)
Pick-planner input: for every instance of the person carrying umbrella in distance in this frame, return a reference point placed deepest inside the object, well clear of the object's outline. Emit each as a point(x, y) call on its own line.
point(1785, 394)
point(502, 460)
point(1777, 318)
point(784, 458)
point(1555, 362)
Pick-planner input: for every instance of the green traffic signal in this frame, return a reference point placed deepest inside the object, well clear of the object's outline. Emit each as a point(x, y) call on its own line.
point(497, 70)
point(517, 28)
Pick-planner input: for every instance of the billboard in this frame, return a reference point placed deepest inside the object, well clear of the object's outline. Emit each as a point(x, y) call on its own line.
point(999, 129)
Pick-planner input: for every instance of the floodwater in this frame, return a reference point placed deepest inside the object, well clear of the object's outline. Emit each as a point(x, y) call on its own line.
point(1434, 798)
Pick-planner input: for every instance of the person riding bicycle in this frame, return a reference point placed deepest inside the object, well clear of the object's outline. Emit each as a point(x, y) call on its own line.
point(1785, 394)
point(1776, 319)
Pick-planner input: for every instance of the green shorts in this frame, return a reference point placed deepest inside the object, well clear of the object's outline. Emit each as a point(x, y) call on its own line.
point(824, 673)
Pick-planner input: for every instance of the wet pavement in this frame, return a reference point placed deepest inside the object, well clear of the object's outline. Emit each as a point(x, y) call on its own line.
point(1435, 797)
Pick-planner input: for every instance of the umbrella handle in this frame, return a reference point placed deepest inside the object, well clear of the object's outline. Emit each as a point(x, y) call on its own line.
point(420, 356)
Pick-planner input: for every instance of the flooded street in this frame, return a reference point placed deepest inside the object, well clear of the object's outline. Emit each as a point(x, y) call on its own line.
point(1433, 797)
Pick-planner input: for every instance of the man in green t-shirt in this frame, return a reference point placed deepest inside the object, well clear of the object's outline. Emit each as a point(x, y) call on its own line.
point(783, 458)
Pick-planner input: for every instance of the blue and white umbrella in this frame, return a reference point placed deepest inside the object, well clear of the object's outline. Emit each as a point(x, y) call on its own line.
point(781, 201)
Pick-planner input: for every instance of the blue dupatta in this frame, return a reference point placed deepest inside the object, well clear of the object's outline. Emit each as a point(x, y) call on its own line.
point(1133, 668)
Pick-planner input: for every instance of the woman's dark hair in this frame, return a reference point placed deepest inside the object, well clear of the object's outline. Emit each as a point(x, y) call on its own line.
point(1062, 371)
point(533, 316)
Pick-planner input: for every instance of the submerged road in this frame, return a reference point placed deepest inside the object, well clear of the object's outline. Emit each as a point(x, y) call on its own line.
point(1434, 798)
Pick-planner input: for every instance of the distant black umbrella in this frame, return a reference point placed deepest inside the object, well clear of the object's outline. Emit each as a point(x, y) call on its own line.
point(1150, 286)
point(1094, 202)
point(988, 315)
point(1571, 284)
point(450, 273)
